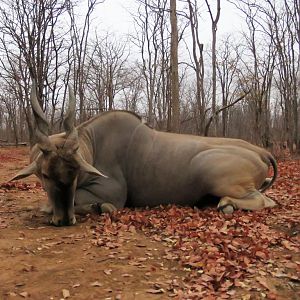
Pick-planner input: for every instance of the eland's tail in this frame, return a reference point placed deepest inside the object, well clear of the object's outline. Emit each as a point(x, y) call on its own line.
point(269, 181)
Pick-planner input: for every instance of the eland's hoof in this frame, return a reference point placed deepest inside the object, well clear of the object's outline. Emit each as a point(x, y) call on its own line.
point(107, 208)
point(226, 209)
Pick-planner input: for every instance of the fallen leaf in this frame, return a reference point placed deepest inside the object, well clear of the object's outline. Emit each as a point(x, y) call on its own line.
point(20, 284)
point(107, 271)
point(96, 284)
point(155, 291)
point(261, 254)
point(127, 275)
point(28, 268)
point(206, 278)
point(142, 259)
point(290, 246)
point(271, 296)
point(267, 284)
point(65, 293)
point(24, 294)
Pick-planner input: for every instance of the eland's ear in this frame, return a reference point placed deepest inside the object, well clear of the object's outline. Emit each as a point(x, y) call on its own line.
point(91, 170)
point(27, 171)
point(86, 167)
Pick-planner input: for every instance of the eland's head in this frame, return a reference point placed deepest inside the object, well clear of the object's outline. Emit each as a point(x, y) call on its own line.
point(58, 162)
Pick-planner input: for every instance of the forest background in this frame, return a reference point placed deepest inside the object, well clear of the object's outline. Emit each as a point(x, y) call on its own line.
point(243, 84)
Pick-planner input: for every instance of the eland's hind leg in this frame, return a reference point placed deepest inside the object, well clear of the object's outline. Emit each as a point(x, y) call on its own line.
point(252, 201)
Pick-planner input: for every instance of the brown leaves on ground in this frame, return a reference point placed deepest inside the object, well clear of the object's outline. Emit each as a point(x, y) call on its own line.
point(12, 155)
point(21, 186)
point(223, 254)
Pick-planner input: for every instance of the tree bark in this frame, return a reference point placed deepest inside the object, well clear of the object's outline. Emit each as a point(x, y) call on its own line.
point(214, 22)
point(174, 69)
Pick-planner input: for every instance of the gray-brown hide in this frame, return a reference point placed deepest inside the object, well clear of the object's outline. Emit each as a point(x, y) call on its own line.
point(145, 167)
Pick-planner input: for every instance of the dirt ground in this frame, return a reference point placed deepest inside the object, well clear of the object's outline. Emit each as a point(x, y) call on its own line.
point(39, 261)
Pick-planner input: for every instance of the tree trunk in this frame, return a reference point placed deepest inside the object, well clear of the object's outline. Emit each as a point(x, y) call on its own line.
point(214, 22)
point(174, 69)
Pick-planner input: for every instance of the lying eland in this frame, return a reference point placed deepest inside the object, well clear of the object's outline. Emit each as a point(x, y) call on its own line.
point(116, 160)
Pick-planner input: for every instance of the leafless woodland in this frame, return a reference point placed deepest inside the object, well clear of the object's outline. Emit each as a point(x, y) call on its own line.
point(244, 85)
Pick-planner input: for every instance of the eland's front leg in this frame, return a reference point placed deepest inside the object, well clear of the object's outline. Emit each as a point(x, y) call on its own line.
point(95, 208)
point(100, 198)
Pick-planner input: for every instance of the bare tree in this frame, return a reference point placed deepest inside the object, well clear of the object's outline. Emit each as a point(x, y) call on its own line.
point(35, 45)
point(174, 68)
point(278, 24)
point(214, 23)
point(286, 38)
point(227, 68)
point(132, 90)
point(78, 51)
point(257, 72)
point(153, 41)
point(29, 42)
point(12, 116)
point(107, 71)
point(197, 64)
